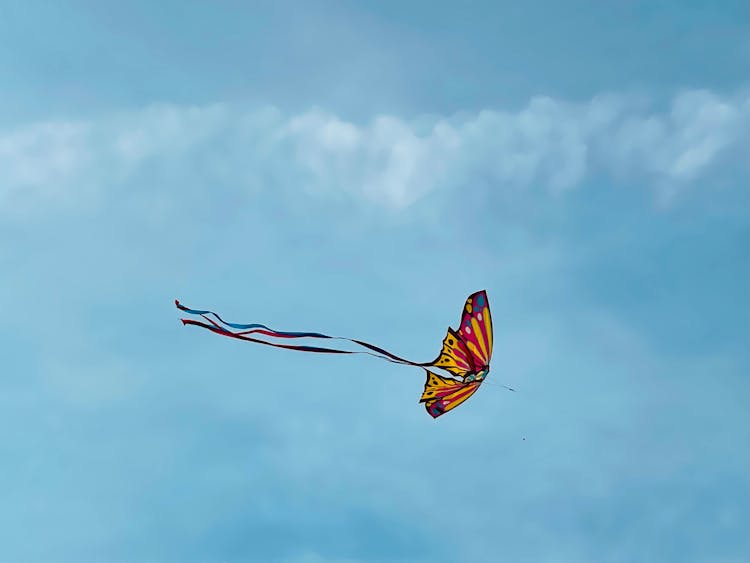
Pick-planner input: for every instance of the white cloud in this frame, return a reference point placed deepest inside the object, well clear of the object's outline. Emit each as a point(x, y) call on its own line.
point(676, 147)
point(388, 161)
point(46, 155)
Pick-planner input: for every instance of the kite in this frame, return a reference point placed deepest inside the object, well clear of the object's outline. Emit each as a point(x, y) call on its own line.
point(465, 353)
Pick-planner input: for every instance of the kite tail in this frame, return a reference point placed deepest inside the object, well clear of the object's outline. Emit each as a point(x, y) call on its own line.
point(223, 327)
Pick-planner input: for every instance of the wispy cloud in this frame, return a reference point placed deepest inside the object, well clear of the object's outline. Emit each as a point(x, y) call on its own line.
point(388, 160)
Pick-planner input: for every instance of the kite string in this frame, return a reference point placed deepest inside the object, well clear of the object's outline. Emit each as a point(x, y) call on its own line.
point(498, 385)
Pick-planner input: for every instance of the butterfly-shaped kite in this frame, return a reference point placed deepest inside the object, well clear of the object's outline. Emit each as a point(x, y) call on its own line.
point(465, 354)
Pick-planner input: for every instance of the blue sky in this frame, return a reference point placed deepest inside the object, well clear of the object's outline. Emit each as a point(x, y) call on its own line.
point(360, 168)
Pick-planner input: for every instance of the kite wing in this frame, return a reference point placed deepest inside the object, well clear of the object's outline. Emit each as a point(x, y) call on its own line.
point(455, 356)
point(443, 394)
point(476, 329)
